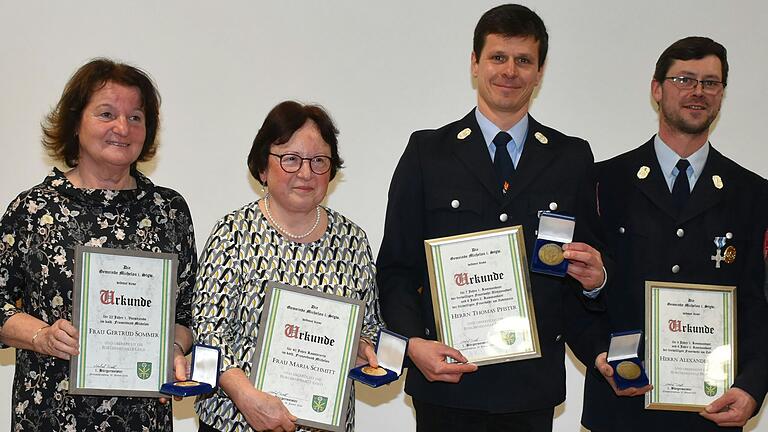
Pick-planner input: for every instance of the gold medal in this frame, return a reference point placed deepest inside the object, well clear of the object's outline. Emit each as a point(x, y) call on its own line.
point(551, 254)
point(374, 371)
point(628, 370)
point(729, 256)
point(643, 172)
point(464, 133)
point(187, 383)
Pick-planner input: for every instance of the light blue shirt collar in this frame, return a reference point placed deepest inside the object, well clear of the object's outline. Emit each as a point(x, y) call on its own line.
point(518, 132)
point(668, 159)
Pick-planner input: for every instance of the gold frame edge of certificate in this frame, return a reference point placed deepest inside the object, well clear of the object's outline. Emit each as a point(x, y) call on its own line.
point(517, 232)
point(171, 324)
point(259, 349)
point(649, 286)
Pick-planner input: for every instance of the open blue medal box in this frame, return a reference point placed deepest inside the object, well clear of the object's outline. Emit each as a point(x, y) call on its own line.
point(553, 228)
point(390, 352)
point(204, 376)
point(624, 348)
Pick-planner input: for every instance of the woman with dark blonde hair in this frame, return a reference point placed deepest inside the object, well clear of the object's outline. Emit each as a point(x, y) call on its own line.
point(105, 122)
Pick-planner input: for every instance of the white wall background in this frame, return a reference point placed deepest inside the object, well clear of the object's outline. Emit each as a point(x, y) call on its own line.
point(383, 69)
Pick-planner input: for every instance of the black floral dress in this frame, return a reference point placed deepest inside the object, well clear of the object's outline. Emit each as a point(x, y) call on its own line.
point(38, 235)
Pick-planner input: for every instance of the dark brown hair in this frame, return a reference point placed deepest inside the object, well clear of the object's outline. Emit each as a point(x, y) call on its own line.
point(691, 48)
point(281, 123)
point(60, 126)
point(511, 20)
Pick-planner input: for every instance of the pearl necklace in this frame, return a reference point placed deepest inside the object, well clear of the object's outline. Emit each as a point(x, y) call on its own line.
point(285, 231)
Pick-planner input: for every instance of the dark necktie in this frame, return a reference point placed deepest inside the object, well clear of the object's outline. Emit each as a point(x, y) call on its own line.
point(502, 161)
point(681, 190)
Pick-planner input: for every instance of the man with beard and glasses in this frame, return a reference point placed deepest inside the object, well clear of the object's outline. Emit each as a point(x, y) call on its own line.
point(668, 208)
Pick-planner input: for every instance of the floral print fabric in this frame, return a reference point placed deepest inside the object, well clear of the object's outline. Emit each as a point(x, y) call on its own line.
point(38, 235)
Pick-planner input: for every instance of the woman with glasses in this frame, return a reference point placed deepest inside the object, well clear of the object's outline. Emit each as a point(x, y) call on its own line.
point(286, 237)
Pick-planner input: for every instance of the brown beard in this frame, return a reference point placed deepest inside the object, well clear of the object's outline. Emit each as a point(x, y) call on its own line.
point(677, 121)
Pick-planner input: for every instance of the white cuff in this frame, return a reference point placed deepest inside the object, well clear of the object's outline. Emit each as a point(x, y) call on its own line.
point(595, 292)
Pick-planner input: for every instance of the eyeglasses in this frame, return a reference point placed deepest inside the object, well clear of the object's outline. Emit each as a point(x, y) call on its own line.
point(291, 163)
point(707, 86)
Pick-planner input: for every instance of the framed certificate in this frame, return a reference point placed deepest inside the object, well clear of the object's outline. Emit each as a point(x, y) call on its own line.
point(306, 345)
point(123, 305)
point(690, 344)
point(481, 295)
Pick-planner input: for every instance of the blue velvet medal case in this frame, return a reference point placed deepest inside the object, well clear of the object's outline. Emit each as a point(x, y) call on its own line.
point(206, 361)
point(554, 231)
point(390, 352)
point(628, 370)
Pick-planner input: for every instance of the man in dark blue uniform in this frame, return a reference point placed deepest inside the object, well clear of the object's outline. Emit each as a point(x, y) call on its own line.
point(670, 209)
point(494, 168)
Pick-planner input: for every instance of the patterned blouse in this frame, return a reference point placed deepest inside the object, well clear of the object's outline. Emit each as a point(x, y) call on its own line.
point(243, 253)
point(38, 235)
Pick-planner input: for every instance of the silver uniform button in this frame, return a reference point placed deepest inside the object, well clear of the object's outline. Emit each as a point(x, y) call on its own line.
point(558, 337)
point(503, 217)
point(426, 331)
point(553, 206)
point(675, 269)
point(455, 203)
point(729, 235)
point(622, 230)
point(680, 232)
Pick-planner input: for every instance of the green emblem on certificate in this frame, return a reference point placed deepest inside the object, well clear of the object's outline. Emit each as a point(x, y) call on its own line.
point(551, 254)
point(481, 295)
point(319, 403)
point(690, 343)
point(508, 337)
point(143, 370)
point(307, 343)
point(123, 305)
